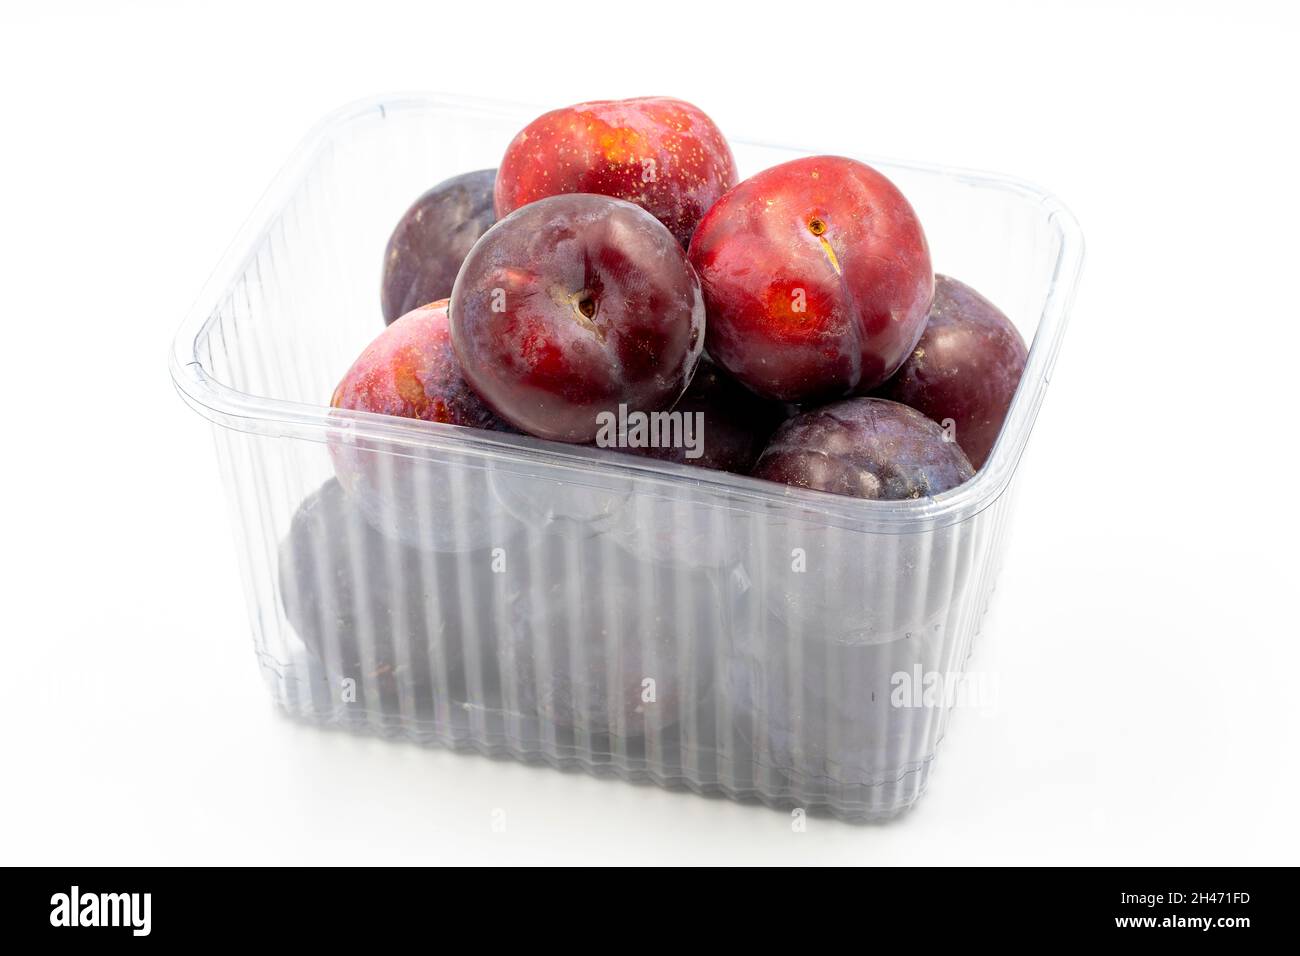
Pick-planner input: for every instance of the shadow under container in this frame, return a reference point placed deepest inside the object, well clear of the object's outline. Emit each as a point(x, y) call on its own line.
point(574, 605)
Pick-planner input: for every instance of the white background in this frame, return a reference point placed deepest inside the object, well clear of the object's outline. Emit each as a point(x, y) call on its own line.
point(1144, 632)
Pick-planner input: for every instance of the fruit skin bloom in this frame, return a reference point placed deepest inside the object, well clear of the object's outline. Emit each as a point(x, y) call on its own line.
point(817, 279)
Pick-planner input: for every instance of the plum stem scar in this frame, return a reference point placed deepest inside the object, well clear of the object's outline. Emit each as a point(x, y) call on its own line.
point(818, 228)
point(584, 306)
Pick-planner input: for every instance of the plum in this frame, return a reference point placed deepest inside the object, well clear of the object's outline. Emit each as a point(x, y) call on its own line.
point(810, 706)
point(866, 448)
point(964, 369)
point(735, 423)
point(598, 643)
point(662, 154)
point(817, 279)
point(356, 599)
point(410, 370)
point(432, 239)
point(574, 306)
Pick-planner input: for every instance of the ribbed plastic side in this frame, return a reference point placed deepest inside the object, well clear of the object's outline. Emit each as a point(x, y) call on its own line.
point(609, 629)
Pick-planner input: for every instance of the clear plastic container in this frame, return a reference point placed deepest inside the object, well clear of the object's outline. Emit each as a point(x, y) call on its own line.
point(575, 605)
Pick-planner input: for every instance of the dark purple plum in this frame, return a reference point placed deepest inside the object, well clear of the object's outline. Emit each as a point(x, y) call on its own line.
point(620, 659)
point(964, 369)
point(866, 448)
point(345, 589)
point(574, 306)
point(736, 423)
point(432, 240)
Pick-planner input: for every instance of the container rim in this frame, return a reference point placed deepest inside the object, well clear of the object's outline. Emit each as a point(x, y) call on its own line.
point(242, 411)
